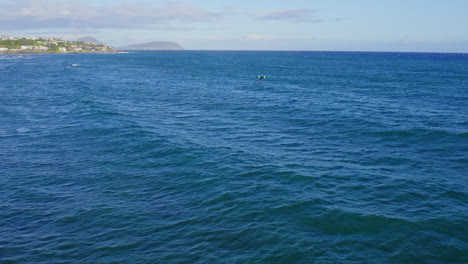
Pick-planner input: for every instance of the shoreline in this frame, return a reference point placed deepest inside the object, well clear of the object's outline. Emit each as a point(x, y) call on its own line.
point(54, 52)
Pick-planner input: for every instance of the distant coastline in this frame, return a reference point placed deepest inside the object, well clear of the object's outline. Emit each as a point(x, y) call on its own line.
point(33, 45)
point(43, 52)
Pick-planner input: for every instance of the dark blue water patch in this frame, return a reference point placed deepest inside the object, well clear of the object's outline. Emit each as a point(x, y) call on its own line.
point(168, 157)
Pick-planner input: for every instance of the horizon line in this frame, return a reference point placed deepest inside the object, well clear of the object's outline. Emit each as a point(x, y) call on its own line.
point(269, 50)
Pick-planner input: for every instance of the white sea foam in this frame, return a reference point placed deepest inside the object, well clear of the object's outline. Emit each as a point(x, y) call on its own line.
point(22, 130)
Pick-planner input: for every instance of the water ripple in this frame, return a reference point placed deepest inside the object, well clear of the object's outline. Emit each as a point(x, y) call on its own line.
point(334, 158)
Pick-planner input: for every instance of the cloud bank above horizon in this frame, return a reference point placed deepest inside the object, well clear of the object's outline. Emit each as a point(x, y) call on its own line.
point(292, 25)
point(51, 14)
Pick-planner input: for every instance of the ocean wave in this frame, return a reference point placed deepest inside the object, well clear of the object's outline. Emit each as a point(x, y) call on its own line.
point(351, 163)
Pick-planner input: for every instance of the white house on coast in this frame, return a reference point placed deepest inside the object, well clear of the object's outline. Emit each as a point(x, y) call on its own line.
point(29, 47)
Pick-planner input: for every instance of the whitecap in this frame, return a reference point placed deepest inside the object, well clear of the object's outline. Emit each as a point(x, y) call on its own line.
point(22, 130)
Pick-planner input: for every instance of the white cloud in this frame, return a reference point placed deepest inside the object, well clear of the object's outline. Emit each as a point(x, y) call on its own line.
point(29, 14)
point(287, 14)
point(258, 37)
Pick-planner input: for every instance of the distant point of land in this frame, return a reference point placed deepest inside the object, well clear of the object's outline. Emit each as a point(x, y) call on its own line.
point(35, 45)
point(155, 45)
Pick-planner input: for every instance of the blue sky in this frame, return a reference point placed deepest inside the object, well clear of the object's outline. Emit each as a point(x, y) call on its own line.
point(348, 25)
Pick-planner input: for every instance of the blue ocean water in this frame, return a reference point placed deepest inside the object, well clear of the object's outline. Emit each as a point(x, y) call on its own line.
point(183, 157)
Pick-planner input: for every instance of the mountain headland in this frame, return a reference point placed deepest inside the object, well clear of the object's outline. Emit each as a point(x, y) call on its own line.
point(91, 40)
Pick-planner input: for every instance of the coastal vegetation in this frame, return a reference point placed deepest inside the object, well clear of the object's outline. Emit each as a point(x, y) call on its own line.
point(50, 45)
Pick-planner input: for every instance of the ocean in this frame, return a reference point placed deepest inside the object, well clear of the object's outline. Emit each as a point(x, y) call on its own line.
point(184, 157)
